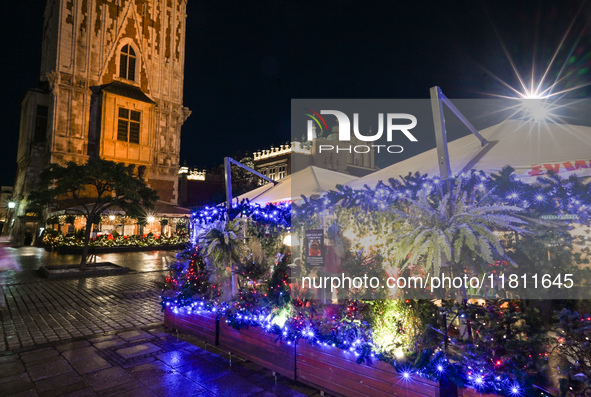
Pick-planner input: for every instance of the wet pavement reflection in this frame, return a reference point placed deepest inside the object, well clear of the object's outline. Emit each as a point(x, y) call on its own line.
point(139, 362)
point(31, 258)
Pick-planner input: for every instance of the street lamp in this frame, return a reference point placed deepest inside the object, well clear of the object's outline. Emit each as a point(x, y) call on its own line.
point(9, 217)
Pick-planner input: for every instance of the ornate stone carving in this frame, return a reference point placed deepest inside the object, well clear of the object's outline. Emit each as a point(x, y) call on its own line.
point(53, 78)
point(66, 78)
point(184, 114)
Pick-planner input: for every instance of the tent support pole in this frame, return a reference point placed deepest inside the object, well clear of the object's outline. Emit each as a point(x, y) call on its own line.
point(228, 161)
point(228, 177)
point(438, 98)
point(440, 136)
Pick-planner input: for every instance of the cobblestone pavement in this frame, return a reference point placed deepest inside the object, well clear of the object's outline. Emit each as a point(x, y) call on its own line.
point(103, 336)
point(42, 311)
point(148, 362)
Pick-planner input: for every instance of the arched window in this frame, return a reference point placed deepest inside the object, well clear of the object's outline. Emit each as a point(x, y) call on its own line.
point(127, 63)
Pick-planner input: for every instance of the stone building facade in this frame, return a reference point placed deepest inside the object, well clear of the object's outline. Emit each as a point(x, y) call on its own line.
point(6, 204)
point(111, 86)
point(278, 162)
point(274, 163)
point(198, 187)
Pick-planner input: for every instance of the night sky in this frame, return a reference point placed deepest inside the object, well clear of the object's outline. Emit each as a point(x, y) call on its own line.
point(245, 60)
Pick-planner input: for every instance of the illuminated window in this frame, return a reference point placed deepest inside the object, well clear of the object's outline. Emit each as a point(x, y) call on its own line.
point(272, 173)
point(128, 126)
point(281, 174)
point(127, 63)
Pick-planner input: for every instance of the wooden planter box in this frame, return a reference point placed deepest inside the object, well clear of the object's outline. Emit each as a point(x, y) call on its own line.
point(327, 368)
point(202, 325)
point(465, 392)
point(335, 370)
point(260, 347)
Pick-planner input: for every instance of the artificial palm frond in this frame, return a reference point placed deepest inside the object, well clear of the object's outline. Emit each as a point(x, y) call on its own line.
point(224, 244)
point(451, 229)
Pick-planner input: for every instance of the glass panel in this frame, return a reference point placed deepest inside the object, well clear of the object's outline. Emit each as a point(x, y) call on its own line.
point(134, 132)
point(123, 113)
point(123, 66)
point(131, 69)
point(41, 123)
point(42, 111)
point(135, 116)
point(130, 50)
point(122, 130)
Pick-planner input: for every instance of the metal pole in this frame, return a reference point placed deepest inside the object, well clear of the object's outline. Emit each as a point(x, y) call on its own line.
point(462, 118)
point(440, 136)
point(445, 338)
point(228, 175)
point(228, 161)
point(438, 98)
point(247, 168)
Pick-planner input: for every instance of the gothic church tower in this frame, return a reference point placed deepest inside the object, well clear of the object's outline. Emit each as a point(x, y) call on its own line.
point(111, 86)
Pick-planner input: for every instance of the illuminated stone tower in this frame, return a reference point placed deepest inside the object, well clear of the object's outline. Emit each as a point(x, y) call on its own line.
point(111, 86)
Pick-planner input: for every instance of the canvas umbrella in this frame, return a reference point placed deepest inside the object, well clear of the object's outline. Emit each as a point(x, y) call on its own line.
point(532, 149)
point(308, 182)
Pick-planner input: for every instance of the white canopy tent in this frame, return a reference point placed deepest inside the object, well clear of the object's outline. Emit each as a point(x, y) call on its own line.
point(530, 148)
point(309, 181)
